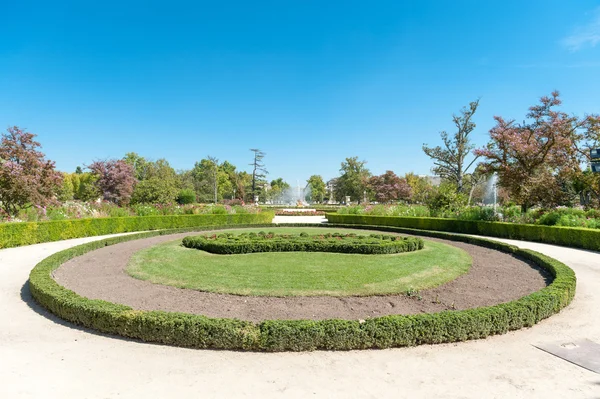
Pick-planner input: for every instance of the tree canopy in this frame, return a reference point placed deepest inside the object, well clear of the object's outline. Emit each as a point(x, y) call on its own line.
point(26, 177)
point(451, 160)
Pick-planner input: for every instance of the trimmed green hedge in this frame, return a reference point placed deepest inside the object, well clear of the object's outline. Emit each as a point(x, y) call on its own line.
point(557, 235)
point(17, 234)
point(196, 331)
point(230, 244)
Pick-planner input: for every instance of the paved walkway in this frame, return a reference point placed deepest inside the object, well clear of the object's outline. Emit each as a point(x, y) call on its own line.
point(42, 357)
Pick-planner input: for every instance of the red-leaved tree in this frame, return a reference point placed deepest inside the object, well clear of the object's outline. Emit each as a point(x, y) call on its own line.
point(533, 159)
point(389, 187)
point(115, 180)
point(26, 178)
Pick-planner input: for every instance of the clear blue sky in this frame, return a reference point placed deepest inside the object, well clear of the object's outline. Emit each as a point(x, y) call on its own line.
point(308, 82)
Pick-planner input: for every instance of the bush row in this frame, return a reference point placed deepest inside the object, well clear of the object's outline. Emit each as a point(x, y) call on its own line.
point(17, 234)
point(566, 236)
point(196, 331)
point(229, 244)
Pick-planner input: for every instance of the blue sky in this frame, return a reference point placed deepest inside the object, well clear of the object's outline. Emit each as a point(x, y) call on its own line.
point(308, 82)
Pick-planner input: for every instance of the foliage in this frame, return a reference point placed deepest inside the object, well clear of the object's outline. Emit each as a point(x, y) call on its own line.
point(586, 183)
point(567, 236)
point(386, 210)
point(283, 212)
point(186, 196)
point(421, 188)
point(301, 335)
point(450, 161)
point(17, 234)
point(213, 182)
point(533, 159)
point(228, 243)
point(446, 198)
point(259, 171)
point(85, 187)
point(66, 192)
point(26, 178)
point(114, 179)
point(352, 181)
point(318, 189)
point(388, 187)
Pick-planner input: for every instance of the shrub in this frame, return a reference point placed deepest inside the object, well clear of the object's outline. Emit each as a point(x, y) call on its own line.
point(567, 236)
point(227, 244)
point(17, 234)
point(186, 196)
point(196, 331)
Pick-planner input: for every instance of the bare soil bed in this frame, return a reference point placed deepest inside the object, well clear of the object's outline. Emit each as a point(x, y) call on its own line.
point(495, 277)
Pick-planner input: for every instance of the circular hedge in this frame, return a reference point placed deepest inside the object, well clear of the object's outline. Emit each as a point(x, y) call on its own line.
point(195, 331)
point(245, 243)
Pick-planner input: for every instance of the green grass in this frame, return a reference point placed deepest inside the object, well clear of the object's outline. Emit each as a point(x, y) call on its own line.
point(299, 273)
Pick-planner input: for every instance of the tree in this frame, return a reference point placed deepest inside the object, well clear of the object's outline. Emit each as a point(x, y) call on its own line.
point(389, 187)
point(114, 179)
point(585, 182)
point(66, 191)
point(211, 182)
point(141, 167)
point(243, 181)
point(26, 177)
point(421, 188)
point(157, 181)
point(450, 161)
point(352, 180)
point(259, 171)
point(532, 159)
point(85, 188)
point(318, 190)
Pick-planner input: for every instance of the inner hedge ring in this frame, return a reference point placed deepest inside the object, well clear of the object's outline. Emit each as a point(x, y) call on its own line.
point(195, 331)
point(231, 244)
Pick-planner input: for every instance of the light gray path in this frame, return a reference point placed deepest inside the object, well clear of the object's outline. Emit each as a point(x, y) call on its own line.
point(42, 358)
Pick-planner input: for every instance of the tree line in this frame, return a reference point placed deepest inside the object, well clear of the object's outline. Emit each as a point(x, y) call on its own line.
point(544, 160)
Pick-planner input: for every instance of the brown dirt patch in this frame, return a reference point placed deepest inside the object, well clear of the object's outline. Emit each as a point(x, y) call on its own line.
point(495, 277)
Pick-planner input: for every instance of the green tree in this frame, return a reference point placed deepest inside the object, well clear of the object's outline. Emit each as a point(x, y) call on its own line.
point(421, 188)
point(67, 189)
point(86, 188)
point(211, 181)
point(353, 180)
point(318, 190)
point(158, 182)
point(451, 160)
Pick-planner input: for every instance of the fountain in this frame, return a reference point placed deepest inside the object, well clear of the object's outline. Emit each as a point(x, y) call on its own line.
point(296, 196)
point(491, 192)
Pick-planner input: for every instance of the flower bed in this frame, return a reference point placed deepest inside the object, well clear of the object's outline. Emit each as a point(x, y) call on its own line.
point(286, 212)
point(228, 243)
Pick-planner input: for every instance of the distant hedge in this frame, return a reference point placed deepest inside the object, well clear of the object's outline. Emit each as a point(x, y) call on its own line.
point(558, 235)
point(196, 331)
point(230, 244)
point(17, 234)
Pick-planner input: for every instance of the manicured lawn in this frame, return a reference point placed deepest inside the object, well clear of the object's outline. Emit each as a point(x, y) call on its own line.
point(299, 273)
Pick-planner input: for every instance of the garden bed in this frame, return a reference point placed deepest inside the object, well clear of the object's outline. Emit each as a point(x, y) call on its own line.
point(494, 277)
point(200, 331)
point(348, 243)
